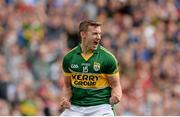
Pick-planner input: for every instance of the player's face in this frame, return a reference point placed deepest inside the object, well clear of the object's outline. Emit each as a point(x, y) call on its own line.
point(93, 37)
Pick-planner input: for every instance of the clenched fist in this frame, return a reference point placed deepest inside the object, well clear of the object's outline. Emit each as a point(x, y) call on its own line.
point(114, 100)
point(64, 104)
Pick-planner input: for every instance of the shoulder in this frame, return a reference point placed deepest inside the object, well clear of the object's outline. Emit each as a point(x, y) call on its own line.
point(70, 53)
point(107, 54)
point(109, 61)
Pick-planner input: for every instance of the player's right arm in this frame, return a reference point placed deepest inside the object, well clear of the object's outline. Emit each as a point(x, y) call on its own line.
point(66, 92)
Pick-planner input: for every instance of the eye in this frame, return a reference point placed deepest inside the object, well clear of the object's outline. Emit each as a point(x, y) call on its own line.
point(98, 34)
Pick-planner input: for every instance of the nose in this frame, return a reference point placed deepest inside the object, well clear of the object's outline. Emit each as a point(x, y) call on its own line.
point(98, 36)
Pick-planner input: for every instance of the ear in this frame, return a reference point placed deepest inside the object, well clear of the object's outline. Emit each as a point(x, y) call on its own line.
point(83, 34)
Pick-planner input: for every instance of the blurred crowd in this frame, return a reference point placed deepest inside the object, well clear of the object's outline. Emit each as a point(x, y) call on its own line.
point(144, 35)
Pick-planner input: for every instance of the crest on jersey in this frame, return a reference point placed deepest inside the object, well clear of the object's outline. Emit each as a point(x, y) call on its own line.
point(96, 66)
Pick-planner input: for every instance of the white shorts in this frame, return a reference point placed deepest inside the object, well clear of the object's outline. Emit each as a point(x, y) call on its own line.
point(99, 110)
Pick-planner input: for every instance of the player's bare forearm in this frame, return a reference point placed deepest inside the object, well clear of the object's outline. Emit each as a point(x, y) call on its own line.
point(67, 87)
point(66, 94)
point(116, 95)
point(116, 92)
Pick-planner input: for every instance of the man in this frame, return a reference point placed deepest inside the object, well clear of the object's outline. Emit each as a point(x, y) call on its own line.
point(92, 84)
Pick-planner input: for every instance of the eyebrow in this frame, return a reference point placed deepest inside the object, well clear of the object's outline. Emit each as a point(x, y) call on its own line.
point(96, 32)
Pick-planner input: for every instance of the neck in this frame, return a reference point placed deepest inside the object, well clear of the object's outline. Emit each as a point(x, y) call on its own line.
point(85, 49)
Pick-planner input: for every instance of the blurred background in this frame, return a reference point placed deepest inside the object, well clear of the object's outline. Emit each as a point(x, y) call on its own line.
point(144, 35)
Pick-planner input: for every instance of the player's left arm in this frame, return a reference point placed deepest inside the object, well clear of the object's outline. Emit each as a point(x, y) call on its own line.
point(116, 92)
point(113, 77)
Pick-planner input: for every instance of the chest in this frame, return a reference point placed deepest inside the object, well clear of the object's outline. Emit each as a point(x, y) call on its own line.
point(94, 64)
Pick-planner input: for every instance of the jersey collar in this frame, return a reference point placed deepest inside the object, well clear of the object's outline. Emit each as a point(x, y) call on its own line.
point(79, 50)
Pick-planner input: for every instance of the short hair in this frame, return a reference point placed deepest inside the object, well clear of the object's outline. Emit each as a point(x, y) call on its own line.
point(83, 26)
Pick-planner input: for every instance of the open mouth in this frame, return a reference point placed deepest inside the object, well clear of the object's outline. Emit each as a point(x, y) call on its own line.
point(95, 42)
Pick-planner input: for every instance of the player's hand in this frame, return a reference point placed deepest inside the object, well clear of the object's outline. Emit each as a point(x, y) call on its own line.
point(115, 97)
point(65, 104)
point(114, 100)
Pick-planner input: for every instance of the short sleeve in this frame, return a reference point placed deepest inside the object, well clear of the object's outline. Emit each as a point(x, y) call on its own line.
point(65, 65)
point(112, 66)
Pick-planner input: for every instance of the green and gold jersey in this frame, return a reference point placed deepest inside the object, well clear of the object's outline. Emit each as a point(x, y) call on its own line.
point(89, 76)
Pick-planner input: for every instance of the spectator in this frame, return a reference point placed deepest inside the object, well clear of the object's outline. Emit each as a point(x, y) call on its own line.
point(144, 36)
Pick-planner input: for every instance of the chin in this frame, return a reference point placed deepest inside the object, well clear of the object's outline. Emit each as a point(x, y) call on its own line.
point(94, 48)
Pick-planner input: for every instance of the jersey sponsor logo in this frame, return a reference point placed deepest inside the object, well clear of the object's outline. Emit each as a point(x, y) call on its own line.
point(85, 77)
point(85, 80)
point(74, 66)
point(96, 66)
point(88, 80)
